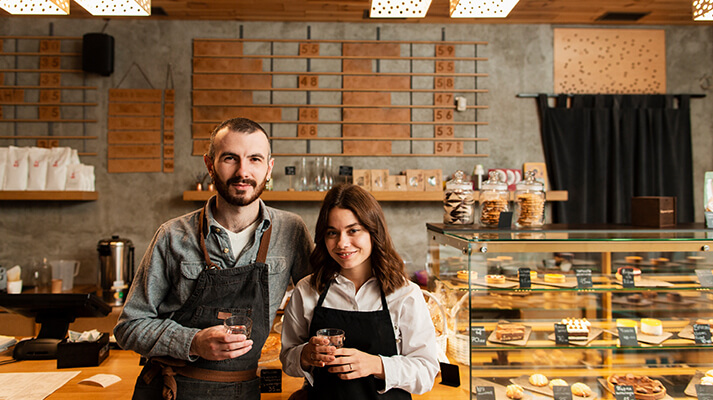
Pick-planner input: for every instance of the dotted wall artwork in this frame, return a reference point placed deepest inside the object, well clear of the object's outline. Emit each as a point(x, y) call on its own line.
point(609, 61)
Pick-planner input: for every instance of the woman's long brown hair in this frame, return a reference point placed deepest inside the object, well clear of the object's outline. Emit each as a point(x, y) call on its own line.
point(387, 266)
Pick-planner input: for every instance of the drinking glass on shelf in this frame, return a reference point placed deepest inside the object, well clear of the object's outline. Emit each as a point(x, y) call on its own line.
point(335, 336)
point(303, 180)
point(238, 324)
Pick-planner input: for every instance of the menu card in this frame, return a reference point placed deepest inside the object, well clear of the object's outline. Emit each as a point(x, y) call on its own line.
point(584, 278)
point(627, 278)
point(561, 336)
point(485, 392)
point(627, 337)
point(624, 392)
point(702, 333)
point(562, 392)
point(524, 275)
point(478, 336)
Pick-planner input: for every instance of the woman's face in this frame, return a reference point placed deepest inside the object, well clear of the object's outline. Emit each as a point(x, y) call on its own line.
point(347, 241)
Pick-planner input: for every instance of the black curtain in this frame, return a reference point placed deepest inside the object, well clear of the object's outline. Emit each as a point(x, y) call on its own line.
point(606, 149)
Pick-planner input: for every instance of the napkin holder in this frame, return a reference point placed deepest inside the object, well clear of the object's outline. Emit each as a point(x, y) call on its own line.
point(82, 354)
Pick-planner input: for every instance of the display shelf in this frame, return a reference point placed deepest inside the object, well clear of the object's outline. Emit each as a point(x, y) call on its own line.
point(49, 195)
point(669, 285)
point(274, 195)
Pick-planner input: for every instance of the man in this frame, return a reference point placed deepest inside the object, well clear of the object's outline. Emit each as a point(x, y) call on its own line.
point(235, 256)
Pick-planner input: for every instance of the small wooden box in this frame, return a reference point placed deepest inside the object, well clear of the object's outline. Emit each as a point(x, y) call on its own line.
point(433, 180)
point(396, 183)
point(378, 179)
point(362, 177)
point(414, 180)
point(653, 211)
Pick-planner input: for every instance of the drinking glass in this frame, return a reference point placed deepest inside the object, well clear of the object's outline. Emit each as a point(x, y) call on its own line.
point(238, 324)
point(335, 336)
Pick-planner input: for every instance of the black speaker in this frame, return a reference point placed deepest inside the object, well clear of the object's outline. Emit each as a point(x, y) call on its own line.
point(98, 53)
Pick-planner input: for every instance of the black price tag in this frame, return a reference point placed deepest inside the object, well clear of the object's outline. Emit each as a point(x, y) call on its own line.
point(524, 276)
point(271, 381)
point(702, 333)
point(485, 392)
point(627, 336)
point(345, 170)
point(624, 392)
point(290, 170)
point(705, 277)
point(584, 278)
point(627, 277)
point(562, 392)
point(561, 336)
point(478, 336)
point(505, 220)
point(704, 392)
point(450, 375)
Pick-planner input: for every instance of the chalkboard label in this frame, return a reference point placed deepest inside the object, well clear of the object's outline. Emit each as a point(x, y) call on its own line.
point(478, 336)
point(271, 381)
point(702, 333)
point(561, 336)
point(485, 392)
point(345, 170)
point(627, 336)
point(704, 392)
point(562, 392)
point(290, 170)
point(524, 276)
point(505, 220)
point(450, 375)
point(624, 392)
point(627, 277)
point(584, 278)
point(705, 276)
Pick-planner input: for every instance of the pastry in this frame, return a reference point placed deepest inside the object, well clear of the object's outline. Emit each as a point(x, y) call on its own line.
point(581, 389)
point(538, 380)
point(557, 382)
point(707, 380)
point(494, 279)
point(645, 388)
point(506, 332)
point(709, 373)
point(463, 275)
point(633, 259)
point(634, 298)
point(533, 275)
point(626, 323)
point(674, 297)
point(514, 391)
point(554, 278)
point(660, 260)
point(651, 326)
point(637, 273)
point(577, 329)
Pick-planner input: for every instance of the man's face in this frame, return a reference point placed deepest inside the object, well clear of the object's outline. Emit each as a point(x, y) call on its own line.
point(241, 165)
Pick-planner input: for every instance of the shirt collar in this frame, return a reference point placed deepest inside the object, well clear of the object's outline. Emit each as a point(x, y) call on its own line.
point(264, 216)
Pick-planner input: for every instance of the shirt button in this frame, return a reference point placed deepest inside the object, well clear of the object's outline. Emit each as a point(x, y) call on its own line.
point(217, 230)
point(226, 250)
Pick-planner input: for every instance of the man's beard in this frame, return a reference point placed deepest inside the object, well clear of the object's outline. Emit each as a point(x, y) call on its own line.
point(223, 188)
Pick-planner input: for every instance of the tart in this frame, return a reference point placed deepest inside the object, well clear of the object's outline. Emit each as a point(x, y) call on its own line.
point(651, 326)
point(674, 297)
point(581, 389)
point(645, 388)
point(514, 391)
point(533, 275)
point(494, 279)
point(558, 382)
point(464, 275)
point(626, 323)
point(554, 278)
point(538, 380)
point(634, 259)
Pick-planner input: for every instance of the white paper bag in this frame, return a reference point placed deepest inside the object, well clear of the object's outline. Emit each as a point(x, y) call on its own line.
point(57, 168)
point(16, 168)
point(38, 163)
point(74, 158)
point(74, 177)
point(3, 160)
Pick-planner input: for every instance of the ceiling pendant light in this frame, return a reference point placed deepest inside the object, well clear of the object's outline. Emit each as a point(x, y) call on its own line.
point(703, 10)
point(134, 8)
point(481, 8)
point(399, 8)
point(36, 7)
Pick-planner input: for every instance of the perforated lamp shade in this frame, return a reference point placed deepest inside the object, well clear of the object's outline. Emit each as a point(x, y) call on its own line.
point(117, 7)
point(703, 10)
point(36, 7)
point(399, 8)
point(481, 8)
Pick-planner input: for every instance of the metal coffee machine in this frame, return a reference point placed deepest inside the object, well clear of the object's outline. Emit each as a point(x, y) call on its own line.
point(116, 269)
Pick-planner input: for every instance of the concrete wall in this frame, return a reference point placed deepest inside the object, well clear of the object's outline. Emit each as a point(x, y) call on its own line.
point(520, 60)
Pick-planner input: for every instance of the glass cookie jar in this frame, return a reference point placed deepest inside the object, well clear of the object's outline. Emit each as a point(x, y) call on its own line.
point(458, 201)
point(494, 199)
point(529, 202)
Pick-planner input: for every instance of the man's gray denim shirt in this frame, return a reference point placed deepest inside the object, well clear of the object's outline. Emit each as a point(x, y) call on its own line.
point(174, 259)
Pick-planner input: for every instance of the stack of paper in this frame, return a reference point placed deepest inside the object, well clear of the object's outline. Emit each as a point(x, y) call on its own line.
point(6, 342)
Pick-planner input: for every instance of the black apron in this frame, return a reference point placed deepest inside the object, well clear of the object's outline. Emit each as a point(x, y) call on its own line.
point(368, 331)
point(219, 293)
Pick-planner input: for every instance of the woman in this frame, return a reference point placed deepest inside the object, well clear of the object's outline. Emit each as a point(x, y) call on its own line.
point(358, 285)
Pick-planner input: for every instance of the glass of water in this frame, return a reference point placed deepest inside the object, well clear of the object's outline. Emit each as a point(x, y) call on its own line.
point(335, 336)
point(238, 324)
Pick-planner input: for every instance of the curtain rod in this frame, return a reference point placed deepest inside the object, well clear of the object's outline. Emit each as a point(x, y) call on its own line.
point(534, 95)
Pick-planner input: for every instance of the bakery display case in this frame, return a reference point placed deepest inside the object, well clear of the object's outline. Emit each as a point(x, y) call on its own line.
point(598, 310)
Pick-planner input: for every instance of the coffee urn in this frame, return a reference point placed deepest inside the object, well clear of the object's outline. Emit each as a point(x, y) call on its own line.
point(116, 269)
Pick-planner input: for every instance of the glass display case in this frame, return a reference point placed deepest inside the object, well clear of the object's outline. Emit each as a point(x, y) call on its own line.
point(608, 308)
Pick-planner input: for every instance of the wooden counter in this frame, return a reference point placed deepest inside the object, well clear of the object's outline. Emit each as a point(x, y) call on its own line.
point(125, 364)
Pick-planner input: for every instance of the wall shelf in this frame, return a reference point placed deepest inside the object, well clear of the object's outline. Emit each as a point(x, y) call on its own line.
point(48, 195)
point(203, 195)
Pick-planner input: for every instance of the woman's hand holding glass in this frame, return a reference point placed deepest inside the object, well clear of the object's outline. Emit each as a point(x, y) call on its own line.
point(317, 352)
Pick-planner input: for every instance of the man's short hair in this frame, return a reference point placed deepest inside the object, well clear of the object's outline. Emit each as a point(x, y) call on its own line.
point(241, 125)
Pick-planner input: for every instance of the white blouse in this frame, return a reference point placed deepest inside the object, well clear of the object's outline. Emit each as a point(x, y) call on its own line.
point(415, 366)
